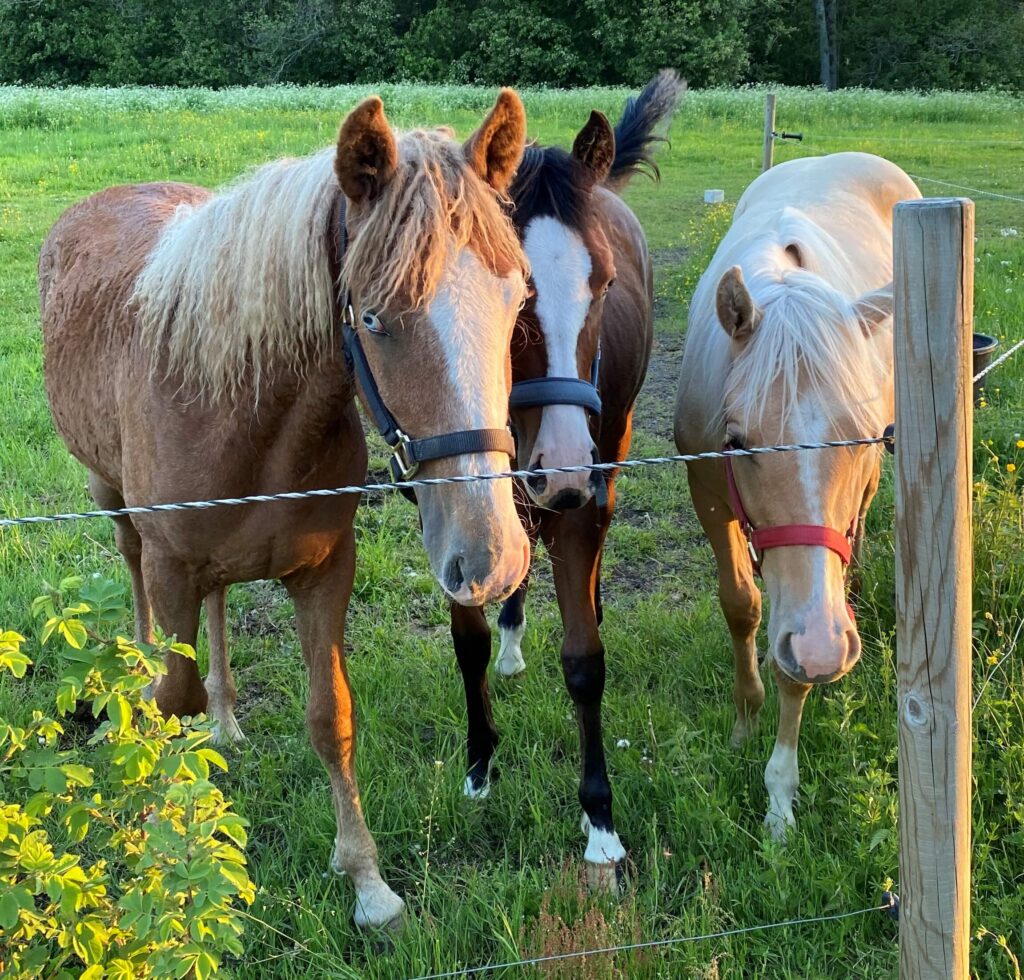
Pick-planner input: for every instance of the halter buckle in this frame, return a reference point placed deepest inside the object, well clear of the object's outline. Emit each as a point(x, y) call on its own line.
point(401, 454)
point(348, 315)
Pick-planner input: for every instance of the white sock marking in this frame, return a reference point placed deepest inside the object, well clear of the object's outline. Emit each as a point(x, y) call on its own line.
point(510, 653)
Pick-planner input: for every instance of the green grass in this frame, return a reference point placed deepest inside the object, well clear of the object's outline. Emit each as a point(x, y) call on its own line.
point(487, 881)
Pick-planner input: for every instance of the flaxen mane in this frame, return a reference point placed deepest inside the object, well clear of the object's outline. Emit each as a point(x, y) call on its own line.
point(810, 338)
point(434, 208)
point(241, 284)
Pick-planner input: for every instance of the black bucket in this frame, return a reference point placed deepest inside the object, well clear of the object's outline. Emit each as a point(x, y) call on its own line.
point(984, 349)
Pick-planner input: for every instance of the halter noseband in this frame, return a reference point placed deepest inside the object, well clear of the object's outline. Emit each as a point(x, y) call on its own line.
point(784, 535)
point(541, 392)
point(408, 453)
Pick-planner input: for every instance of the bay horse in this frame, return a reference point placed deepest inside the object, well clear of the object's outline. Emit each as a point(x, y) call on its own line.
point(579, 359)
point(790, 341)
point(192, 351)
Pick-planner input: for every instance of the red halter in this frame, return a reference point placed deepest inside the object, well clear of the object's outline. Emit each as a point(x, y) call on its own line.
point(785, 535)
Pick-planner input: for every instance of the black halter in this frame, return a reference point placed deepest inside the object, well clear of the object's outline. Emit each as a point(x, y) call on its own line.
point(408, 453)
point(540, 392)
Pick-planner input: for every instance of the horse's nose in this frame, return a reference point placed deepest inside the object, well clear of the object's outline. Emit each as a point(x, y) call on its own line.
point(810, 658)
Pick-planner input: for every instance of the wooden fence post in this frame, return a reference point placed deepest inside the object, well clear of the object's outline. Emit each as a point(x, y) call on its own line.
point(769, 128)
point(933, 276)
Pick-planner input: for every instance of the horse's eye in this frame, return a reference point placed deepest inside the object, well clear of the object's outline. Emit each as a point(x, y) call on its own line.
point(734, 441)
point(372, 323)
point(610, 283)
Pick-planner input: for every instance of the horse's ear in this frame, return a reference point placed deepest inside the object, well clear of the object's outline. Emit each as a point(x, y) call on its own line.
point(874, 308)
point(495, 150)
point(367, 155)
point(594, 146)
point(737, 312)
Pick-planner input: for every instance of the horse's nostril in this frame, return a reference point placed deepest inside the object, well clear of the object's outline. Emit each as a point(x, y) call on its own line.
point(538, 484)
point(454, 577)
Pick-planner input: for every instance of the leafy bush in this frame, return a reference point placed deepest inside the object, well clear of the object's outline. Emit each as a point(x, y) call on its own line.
point(118, 856)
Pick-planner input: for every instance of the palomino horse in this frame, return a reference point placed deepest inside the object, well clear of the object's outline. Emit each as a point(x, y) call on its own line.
point(192, 351)
point(589, 320)
point(790, 340)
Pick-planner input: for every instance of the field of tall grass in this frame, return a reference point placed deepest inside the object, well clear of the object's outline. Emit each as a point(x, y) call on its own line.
point(496, 880)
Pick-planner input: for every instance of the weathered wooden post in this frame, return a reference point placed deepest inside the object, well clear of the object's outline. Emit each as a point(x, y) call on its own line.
point(769, 132)
point(934, 294)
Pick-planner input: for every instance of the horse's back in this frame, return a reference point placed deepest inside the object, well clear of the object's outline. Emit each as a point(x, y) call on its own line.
point(837, 181)
point(87, 270)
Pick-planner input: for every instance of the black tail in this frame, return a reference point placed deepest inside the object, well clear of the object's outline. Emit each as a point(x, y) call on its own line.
point(634, 132)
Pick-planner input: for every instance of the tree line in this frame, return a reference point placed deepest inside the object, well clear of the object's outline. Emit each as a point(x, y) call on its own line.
point(891, 44)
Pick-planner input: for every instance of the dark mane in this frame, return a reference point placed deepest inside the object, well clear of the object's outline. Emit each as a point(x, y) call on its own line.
point(550, 183)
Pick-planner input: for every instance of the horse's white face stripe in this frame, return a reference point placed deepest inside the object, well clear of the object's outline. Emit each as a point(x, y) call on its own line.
point(468, 306)
point(813, 428)
point(561, 275)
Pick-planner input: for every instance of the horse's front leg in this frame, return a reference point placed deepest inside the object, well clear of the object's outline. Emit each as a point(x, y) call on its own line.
point(511, 627)
point(472, 638)
point(512, 618)
point(574, 540)
point(321, 597)
point(740, 599)
point(782, 775)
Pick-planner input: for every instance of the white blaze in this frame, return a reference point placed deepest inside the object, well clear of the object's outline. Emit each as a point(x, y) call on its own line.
point(561, 275)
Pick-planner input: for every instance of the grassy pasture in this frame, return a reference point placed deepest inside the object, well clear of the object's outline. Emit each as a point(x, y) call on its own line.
point(491, 881)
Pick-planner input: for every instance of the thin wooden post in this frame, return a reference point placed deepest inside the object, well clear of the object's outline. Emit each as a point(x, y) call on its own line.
point(769, 130)
point(933, 277)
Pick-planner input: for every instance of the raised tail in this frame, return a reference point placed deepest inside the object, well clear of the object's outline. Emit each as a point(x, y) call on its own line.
point(634, 132)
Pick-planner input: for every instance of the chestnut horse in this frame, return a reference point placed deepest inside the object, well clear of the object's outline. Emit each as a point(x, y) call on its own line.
point(790, 341)
point(589, 320)
point(192, 351)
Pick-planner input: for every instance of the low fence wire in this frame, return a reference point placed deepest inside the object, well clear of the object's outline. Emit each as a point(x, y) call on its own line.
point(630, 947)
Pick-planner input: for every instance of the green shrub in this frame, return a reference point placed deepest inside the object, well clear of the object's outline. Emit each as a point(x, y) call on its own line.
point(118, 856)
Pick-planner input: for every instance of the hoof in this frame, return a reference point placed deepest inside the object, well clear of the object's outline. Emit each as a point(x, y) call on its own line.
point(472, 791)
point(379, 908)
point(227, 732)
point(509, 666)
point(607, 878)
point(779, 825)
point(742, 730)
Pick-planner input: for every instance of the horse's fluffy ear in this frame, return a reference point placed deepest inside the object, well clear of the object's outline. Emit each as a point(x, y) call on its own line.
point(594, 146)
point(874, 308)
point(367, 155)
point(737, 312)
point(495, 150)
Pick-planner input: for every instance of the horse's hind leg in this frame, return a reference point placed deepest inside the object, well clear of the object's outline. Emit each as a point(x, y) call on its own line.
point(130, 545)
point(321, 598)
point(472, 638)
point(176, 602)
point(741, 603)
point(511, 627)
point(220, 685)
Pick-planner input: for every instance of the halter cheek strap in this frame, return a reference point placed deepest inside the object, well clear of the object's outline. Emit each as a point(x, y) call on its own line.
point(409, 453)
point(760, 540)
